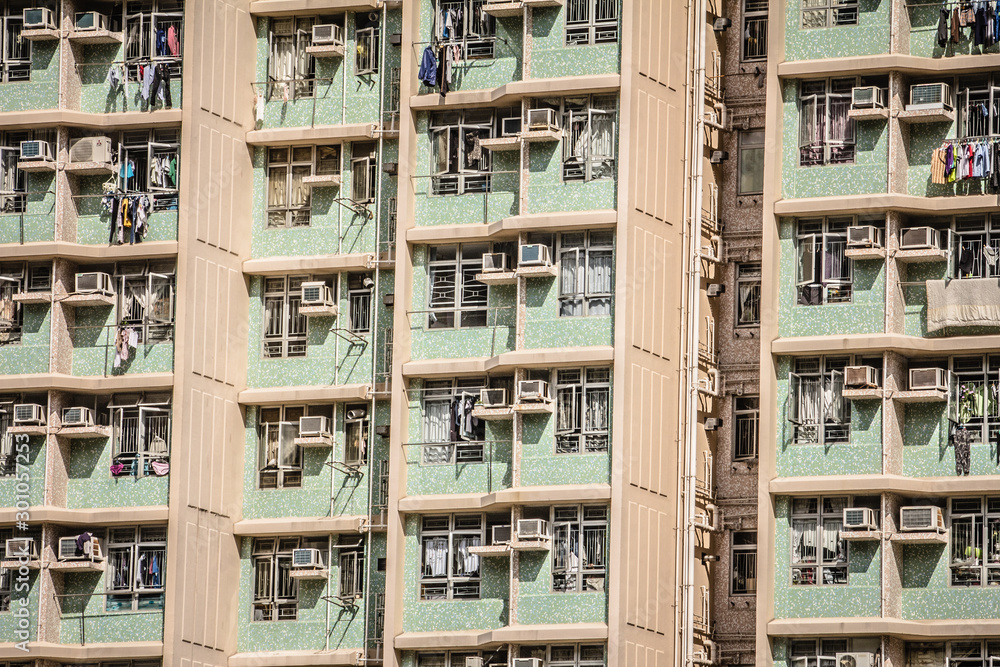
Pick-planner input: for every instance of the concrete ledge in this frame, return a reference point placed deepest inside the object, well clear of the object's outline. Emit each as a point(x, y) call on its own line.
point(53, 117)
point(896, 627)
point(511, 226)
point(86, 384)
point(87, 253)
point(927, 486)
point(272, 266)
point(515, 90)
point(317, 394)
point(884, 63)
point(291, 7)
point(882, 202)
point(541, 358)
point(908, 346)
point(517, 634)
point(317, 134)
point(76, 652)
point(322, 525)
point(100, 516)
point(524, 495)
point(296, 658)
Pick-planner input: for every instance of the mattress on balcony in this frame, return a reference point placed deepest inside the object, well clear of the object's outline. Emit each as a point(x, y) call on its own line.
point(963, 303)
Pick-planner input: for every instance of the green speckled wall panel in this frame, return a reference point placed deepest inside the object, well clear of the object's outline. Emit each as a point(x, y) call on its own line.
point(31, 354)
point(35, 467)
point(544, 328)
point(861, 596)
point(537, 603)
point(98, 625)
point(869, 36)
point(9, 622)
point(37, 223)
point(97, 95)
point(91, 484)
point(926, 451)
point(547, 192)
point(492, 475)
point(42, 90)
point(927, 595)
point(94, 347)
point(551, 57)
point(541, 466)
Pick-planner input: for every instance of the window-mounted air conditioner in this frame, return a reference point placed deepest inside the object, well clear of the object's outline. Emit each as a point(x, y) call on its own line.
point(78, 416)
point(35, 150)
point(316, 294)
point(326, 33)
point(859, 518)
point(921, 518)
point(530, 530)
point(307, 558)
point(919, 238)
point(493, 398)
point(855, 659)
point(526, 662)
point(543, 119)
point(39, 18)
point(861, 377)
point(67, 549)
point(501, 535)
point(534, 254)
point(713, 424)
point(510, 127)
point(94, 283)
point(867, 97)
point(532, 390)
point(314, 427)
point(20, 547)
point(928, 379)
point(929, 96)
point(494, 262)
point(90, 149)
point(864, 236)
point(29, 414)
point(473, 661)
point(715, 290)
point(91, 21)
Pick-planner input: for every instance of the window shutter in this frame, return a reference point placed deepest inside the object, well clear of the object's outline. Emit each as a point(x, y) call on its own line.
point(287, 449)
point(808, 249)
point(794, 389)
point(808, 128)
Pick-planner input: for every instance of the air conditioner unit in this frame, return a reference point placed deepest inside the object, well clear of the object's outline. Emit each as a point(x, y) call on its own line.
point(542, 119)
point(67, 549)
point(532, 390)
point(501, 535)
point(94, 283)
point(78, 416)
point(39, 18)
point(91, 21)
point(929, 96)
point(534, 254)
point(921, 518)
point(867, 97)
point(715, 289)
point(494, 262)
point(326, 33)
point(861, 376)
point(29, 414)
point(855, 659)
point(713, 424)
point(530, 530)
point(316, 294)
point(314, 427)
point(526, 662)
point(36, 151)
point(859, 518)
point(90, 149)
point(928, 379)
point(864, 236)
point(19, 547)
point(919, 238)
point(510, 127)
point(493, 398)
point(473, 661)
point(307, 558)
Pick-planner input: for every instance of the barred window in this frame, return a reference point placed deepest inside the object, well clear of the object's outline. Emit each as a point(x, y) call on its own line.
point(291, 69)
point(459, 165)
point(586, 273)
point(456, 298)
point(141, 432)
point(579, 548)
point(975, 541)
point(464, 24)
point(279, 461)
point(746, 432)
point(819, 554)
point(827, 13)
point(754, 30)
point(448, 571)
point(284, 327)
point(591, 22)
point(824, 273)
point(146, 300)
point(583, 410)
point(817, 409)
point(743, 557)
point(826, 132)
point(748, 295)
point(15, 51)
point(275, 591)
point(136, 568)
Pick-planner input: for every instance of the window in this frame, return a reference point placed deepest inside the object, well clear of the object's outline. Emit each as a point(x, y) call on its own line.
point(6, 576)
point(290, 69)
point(151, 157)
point(284, 328)
point(748, 295)
point(154, 34)
point(288, 200)
point(826, 13)
point(442, 400)
point(819, 555)
point(146, 300)
point(746, 434)
point(15, 58)
point(978, 100)
point(456, 299)
point(279, 462)
point(141, 431)
point(817, 409)
point(823, 272)
point(816, 653)
point(971, 653)
point(8, 454)
point(364, 172)
point(464, 24)
point(972, 236)
point(356, 434)
point(975, 541)
point(136, 568)
point(366, 35)
point(351, 584)
point(567, 655)
point(359, 295)
point(751, 162)
point(586, 270)
point(583, 410)
point(754, 30)
point(826, 133)
point(579, 548)
point(11, 312)
point(490, 658)
point(589, 137)
point(459, 164)
point(275, 591)
point(591, 22)
point(447, 570)
point(743, 556)
point(13, 182)
point(976, 381)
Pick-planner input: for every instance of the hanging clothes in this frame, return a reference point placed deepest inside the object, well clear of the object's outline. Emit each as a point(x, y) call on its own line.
point(938, 167)
point(161, 42)
point(173, 41)
point(428, 68)
point(942, 29)
point(961, 439)
point(956, 26)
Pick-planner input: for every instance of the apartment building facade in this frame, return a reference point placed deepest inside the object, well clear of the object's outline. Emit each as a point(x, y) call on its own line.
point(343, 332)
point(878, 488)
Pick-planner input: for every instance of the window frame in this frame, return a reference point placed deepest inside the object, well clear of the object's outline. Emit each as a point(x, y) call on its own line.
point(286, 469)
point(580, 114)
point(580, 436)
point(468, 306)
point(302, 83)
point(555, 655)
point(981, 569)
point(14, 67)
point(478, 38)
point(824, 100)
point(366, 64)
point(824, 519)
point(145, 541)
point(748, 277)
point(584, 28)
point(364, 162)
point(356, 435)
point(270, 556)
point(750, 141)
point(752, 12)
point(291, 341)
point(150, 22)
point(750, 416)
point(577, 276)
point(968, 374)
point(831, 10)
point(141, 148)
point(143, 409)
point(821, 424)
point(453, 171)
point(747, 554)
point(13, 181)
point(463, 583)
point(12, 282)
point(828, 239)
point(822, 654)
point(441, 393)
point(286, 215)
point(576, 520)
point(359, 304)
point(153, 319)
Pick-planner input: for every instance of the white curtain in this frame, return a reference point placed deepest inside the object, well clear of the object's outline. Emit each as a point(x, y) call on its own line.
point(272, 316)
point(597, 409)
point(277, 187)
point(804, 538)
point(436, 557)
point(599, 276)
point(466, 563)
point(437, 428)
